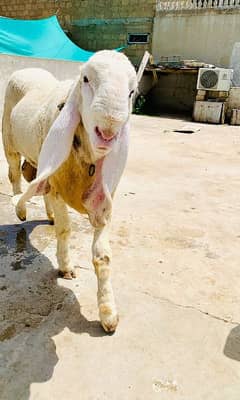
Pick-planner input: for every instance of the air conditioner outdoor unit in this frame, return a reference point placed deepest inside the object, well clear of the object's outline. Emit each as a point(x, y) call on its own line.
point(214, 79)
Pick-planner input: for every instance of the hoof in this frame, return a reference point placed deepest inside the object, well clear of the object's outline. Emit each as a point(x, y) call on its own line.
point(109, 320)
point(21, 213)
point(50, 217)
point(20, 207)
point(67, 274)
point(110, 326)
point(51, 220)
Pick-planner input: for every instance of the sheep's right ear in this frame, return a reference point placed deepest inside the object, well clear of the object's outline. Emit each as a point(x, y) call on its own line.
point(57, 145)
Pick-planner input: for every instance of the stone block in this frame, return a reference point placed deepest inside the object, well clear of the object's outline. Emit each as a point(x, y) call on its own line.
point(201, 92)
point(235, 117)
point(200, 97)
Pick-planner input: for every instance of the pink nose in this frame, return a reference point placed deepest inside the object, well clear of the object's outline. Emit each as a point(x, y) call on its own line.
point(106, 134)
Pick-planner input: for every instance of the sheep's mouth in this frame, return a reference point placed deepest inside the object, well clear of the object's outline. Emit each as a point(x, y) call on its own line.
point(105, 139)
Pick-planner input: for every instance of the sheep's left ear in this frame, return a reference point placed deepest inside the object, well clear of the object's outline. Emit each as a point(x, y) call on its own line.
point(57, 145)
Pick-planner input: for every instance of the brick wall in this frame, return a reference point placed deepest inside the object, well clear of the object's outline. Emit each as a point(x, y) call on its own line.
point(106, 24)
point(30, 9)
point(93, 25)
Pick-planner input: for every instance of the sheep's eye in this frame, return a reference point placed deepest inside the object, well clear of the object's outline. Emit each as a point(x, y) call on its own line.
point(131, 93)
point(85, 79)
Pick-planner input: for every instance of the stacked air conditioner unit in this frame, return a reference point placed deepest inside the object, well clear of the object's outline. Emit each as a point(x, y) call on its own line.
point(214, 79)
point(213, 87)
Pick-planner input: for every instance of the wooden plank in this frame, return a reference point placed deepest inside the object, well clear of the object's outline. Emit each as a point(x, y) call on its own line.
point(154, 72)
point(172, 70)
point(140, 72)
point(143, 65)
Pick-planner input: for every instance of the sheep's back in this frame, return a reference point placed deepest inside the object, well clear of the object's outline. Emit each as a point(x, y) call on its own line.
point(34, 108)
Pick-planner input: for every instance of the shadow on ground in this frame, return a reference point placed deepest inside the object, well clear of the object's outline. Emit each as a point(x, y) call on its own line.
point(232, 345)
point(33, 309)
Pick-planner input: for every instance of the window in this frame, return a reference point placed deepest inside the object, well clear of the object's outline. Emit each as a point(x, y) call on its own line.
point(138, 38)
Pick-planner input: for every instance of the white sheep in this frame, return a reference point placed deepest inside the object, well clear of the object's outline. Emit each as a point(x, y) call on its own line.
point(76, 135)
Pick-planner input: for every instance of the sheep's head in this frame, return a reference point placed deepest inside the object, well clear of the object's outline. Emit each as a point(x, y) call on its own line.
point(102, 99)
point(107, 83)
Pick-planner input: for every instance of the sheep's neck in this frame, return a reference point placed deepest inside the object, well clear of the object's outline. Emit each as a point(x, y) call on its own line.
point(97, 199)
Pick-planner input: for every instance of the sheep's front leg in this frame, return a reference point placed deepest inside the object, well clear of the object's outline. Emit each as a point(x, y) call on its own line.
point(101, 259)
point(63, 231)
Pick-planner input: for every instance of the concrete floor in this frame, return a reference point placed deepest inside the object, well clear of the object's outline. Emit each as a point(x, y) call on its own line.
point(176, 274)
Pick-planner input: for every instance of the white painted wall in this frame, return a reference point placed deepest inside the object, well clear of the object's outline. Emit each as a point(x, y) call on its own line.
point(60, 69)
point(206, 35)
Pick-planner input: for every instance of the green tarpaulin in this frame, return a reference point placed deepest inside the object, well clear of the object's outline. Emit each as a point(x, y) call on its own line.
point(43, 38)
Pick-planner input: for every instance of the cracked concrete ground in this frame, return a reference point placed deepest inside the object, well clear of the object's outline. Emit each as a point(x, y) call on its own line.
point(176, 274)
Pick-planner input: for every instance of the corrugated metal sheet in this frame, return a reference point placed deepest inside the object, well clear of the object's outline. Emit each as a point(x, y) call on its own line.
point(211, 112)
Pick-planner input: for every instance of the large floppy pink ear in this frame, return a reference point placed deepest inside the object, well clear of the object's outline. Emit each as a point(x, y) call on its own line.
point(57, 144)
point(114, 162)
point(97, 200)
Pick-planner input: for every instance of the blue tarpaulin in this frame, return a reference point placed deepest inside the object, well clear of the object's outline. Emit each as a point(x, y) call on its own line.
point(42, 38)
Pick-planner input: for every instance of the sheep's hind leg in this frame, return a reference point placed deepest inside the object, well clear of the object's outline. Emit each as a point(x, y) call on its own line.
point(101, 253)
point(63, 231)
point(14, 171)
point(48, 207)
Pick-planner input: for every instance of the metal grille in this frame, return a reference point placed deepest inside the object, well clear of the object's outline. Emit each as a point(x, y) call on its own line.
point(209, 79)
point(165, 5)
